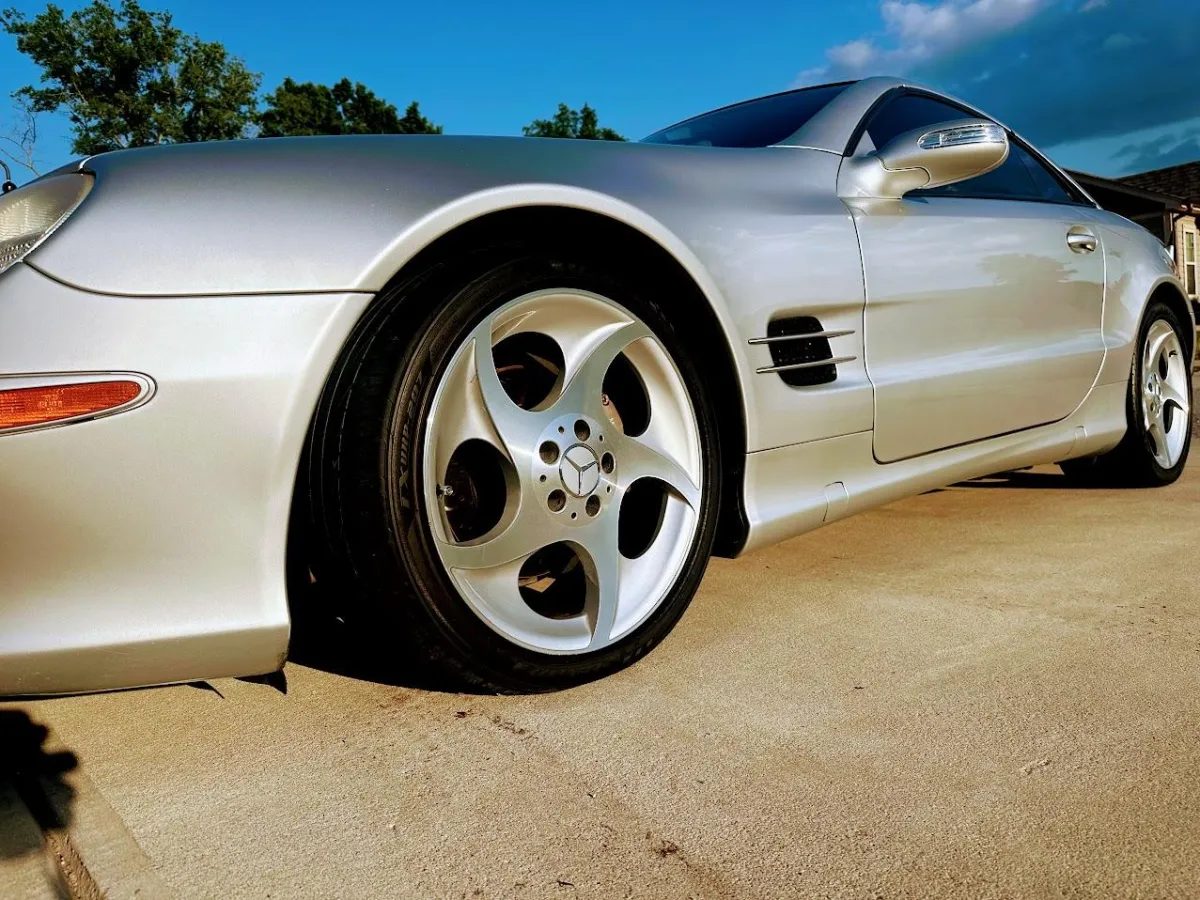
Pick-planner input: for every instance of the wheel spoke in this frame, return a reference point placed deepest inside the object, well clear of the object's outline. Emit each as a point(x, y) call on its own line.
point(528, 531)
point(639, 459)
point(1171, 394)
point(1154, 348)
point(462, 416)
point(1158, 432)
point(517, 428)
point(498, 595)
point(474, 405)
point(602, 565)
point(590, 363)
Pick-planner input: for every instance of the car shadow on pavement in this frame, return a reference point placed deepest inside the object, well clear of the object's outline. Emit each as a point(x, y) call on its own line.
point(1024, 479)
point(31, 777)
point(324, 639)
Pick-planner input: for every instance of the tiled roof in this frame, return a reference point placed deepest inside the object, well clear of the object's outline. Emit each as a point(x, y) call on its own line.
point(1096, 182)
point(1179, 181)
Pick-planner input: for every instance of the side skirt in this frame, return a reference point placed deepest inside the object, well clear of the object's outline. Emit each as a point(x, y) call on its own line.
point(794, 489)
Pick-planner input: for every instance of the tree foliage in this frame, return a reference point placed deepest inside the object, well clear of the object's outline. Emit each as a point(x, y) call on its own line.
point(306, 108)
point(572, 123)
point(126, 77)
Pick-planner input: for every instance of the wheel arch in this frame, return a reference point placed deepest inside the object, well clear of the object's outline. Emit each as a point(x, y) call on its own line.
point(642, 245)
point(1170, 292)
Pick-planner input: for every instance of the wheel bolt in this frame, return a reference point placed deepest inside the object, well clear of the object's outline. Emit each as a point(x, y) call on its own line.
point(548, 452)
point(607, 463)
point(556, 501)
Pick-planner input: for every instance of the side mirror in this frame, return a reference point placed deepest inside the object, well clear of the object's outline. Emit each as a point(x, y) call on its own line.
point(924, 158)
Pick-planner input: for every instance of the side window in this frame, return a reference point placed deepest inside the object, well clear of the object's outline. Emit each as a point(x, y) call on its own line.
point(1011, 181)
point(1021, 177)
point(906, 112)
point(1049, 185)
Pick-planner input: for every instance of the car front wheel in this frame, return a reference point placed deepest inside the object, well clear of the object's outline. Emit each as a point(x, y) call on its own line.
point(523, 483)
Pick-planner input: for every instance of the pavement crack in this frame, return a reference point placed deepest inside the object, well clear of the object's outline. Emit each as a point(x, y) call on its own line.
point(75, 881)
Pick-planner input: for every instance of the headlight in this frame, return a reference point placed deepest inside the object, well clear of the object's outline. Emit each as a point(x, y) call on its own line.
point(30, 214)
point(1165, 255)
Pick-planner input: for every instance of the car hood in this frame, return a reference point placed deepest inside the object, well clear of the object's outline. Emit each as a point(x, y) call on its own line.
point(285, 215)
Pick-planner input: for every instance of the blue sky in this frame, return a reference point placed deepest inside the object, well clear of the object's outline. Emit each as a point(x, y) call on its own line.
point(1097, 83)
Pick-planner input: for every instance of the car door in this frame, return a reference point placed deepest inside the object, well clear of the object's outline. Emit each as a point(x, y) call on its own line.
point(984, 298)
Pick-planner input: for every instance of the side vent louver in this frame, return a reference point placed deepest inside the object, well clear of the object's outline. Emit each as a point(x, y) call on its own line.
point(800, 351)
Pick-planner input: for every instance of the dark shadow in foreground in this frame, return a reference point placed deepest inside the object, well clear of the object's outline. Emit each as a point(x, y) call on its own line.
point(32, 777)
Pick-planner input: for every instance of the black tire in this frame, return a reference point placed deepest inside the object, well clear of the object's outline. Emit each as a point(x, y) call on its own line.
point(1132, 462)
point(372, 531)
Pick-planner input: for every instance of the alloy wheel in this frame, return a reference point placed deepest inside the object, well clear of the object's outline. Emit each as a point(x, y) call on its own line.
point(562, 471)
point(1166, 410)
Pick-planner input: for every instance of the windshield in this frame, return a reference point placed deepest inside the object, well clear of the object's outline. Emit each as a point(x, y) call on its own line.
point(755, 123)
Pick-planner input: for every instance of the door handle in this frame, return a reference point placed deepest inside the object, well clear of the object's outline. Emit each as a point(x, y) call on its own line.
point(1080, 240)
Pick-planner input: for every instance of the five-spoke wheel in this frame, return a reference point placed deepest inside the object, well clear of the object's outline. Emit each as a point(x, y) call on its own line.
point(524, 478)
point(1158, 411)
point(1166, 374)
point(562, 463)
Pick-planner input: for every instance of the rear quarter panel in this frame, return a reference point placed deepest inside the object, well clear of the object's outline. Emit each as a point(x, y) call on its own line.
point(1134, 270)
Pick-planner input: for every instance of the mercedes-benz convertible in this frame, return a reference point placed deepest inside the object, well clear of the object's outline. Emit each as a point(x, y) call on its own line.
point(502, 398)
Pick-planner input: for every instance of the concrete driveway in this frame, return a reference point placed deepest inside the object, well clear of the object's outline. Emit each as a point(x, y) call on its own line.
point(987, 691)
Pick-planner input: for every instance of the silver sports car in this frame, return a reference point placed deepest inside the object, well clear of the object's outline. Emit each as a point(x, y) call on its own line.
point(500, 399)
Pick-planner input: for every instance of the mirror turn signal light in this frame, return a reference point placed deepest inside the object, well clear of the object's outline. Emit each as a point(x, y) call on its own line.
point(30, 406)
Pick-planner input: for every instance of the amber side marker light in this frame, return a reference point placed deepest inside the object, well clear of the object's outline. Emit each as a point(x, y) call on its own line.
point(24, 407)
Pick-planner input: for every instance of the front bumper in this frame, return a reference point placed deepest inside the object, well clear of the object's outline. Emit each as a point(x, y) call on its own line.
point(148, 547)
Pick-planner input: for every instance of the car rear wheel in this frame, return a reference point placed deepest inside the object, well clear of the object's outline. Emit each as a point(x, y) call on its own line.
point(1159, 410)
point(523, 483)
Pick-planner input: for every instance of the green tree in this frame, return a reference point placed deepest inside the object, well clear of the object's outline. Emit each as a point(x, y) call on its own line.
point(572, 123)
point(306, 108)
point(127, 77)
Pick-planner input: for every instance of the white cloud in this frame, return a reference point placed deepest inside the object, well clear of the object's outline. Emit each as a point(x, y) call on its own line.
point(854, 55)
point(953, 23)
point(1122, 41)
point(915, 32)
point(1058, 77)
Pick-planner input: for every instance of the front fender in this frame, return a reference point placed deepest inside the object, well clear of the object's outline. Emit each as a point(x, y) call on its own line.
point(758, 231)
